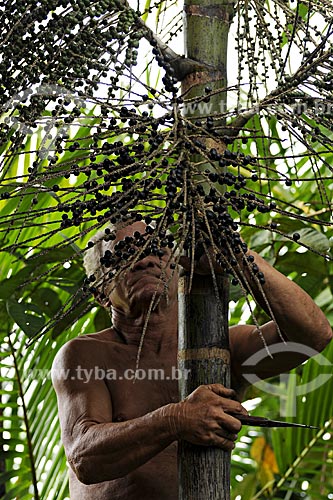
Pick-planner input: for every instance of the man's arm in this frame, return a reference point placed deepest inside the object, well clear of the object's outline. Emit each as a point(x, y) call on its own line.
point(295, 312)
point(99, 450)
point(297, 319)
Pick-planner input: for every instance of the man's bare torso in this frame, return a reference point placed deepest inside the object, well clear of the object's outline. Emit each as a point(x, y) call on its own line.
point(124, 400)
point(116, 362)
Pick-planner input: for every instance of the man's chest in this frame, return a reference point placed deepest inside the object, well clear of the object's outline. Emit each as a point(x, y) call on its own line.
point(135, 391)
point(132, 400)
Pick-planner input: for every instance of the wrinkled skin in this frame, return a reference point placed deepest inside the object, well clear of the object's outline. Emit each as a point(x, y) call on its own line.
point(121, 436)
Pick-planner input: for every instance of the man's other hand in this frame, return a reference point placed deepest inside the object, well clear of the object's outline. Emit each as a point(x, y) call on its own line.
point(203, 265)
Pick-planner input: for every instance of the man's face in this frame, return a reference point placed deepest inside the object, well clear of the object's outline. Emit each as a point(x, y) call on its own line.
point(149, 276)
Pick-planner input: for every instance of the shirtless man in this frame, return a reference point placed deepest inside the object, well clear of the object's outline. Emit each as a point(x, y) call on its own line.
point(121, 437)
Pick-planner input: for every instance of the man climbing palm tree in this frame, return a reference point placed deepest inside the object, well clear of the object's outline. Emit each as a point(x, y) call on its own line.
point(120, 425)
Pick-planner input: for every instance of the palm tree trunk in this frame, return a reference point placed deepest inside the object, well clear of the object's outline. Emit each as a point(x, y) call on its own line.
point(203, 351)
point(203, 315)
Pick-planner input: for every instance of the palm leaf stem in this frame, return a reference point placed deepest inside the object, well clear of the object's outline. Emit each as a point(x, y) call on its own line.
point(26, 421)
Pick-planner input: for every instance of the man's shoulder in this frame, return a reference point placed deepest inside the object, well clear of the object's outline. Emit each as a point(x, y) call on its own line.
point(108, 335)
point(84, 352)
point(87, 346)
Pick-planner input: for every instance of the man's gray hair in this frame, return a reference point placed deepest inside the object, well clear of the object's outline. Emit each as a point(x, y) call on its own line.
point(92, 256)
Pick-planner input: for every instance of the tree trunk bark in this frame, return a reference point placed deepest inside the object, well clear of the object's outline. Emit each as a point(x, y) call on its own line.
point(204, 473)
point(203, 352)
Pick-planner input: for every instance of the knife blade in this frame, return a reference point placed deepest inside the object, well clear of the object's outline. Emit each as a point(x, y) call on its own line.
point(266, 422)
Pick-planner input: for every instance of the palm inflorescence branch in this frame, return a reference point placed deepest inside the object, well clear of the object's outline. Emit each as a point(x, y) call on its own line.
point(95, 128)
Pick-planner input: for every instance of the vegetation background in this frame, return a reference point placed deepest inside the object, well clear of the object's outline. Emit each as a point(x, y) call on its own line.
point(279, 90)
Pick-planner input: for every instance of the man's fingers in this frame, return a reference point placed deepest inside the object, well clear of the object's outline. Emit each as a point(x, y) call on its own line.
point(224, 443)
point(231, 406)
point(220, 390)
point(232, 424)
point(199, 267)
point(202, 266)
point(227, 435)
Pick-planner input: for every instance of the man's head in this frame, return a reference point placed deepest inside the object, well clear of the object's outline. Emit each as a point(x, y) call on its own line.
point(148, 275)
